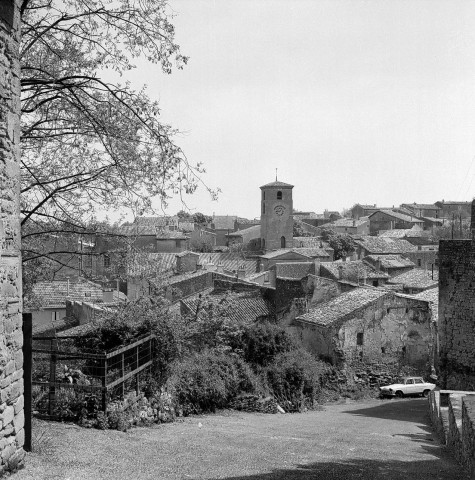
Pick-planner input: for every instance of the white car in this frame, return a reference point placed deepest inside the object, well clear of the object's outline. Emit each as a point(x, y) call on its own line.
point(407, 386)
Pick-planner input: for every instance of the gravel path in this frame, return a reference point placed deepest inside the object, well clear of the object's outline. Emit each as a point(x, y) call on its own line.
point(365, 440)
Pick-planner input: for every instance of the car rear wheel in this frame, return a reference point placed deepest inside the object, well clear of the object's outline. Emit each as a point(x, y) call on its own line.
point(399, 394)
point(426, 393)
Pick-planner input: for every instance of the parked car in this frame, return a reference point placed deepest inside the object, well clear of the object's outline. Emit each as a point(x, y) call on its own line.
point(407, 386)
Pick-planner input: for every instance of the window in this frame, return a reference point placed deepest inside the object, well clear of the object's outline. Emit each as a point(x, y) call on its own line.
point(279, 195)
point(263, 208)
point(263, 195)
point(419, 262)
point(54, 316)
point(375, 283)
point(383, 349)
point(359, 338)
point(107, 261)
point(263, 243)
point(418, 380)
point(282, 242)
point(410, 381)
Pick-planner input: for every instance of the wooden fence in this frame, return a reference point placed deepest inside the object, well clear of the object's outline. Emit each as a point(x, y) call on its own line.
point(58, 366)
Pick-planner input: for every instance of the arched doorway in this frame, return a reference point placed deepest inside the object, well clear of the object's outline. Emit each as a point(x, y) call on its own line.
point(282, 242)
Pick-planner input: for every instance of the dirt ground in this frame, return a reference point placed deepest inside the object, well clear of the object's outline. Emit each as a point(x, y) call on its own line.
point(365, 440)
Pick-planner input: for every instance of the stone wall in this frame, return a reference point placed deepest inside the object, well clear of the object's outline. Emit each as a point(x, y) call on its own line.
point(456, 314)
point(12, 434)
point(453, 417)
point(394, 331)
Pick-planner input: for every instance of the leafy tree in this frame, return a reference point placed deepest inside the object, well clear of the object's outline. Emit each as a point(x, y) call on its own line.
point(202, 219)
point(299, 231)
point(89, 144)
point(342, 243)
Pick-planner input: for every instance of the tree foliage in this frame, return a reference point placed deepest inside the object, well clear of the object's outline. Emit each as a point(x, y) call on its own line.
point(342, 243)
point(89, 144)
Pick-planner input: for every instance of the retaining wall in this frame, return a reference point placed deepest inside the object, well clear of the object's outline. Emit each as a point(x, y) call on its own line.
point(453, 417)
point(12, 433)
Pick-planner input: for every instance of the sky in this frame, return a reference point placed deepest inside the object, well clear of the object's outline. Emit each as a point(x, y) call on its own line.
point(352, 101)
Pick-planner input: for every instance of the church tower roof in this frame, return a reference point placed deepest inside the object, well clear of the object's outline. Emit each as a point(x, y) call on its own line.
point(277, 185)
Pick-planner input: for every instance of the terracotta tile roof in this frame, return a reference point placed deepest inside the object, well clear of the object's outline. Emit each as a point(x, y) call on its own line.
point(391, 261)
point(452, 202)
point(354, 271)
point(424, 206)
point(343, 306)
point(282, 251)
point(375, 245)
point(243, 306)
point(348, 222)
point(399, 216)
point(416, 278)
point(158, 221)
point(310, 242)
point(294, 271)
point(277, 184)
point(54, 294)
point(254, 230)
point(431, 295)
point(312, 252)
point(229, 261)
point(150, 264)
point(224, 222)
point(404, 233)
point(173, 234)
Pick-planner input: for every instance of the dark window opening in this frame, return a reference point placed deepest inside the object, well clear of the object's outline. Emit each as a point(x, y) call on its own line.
point(263, 195)
point(419, 262)
point(263, 208)
point(407, 310)
point(387, 311)
point(375, 283)
point(263, 243)
point(279, 195)
point(107, 261)
point(383, 350)
point(282, 242)
point(404, 350)
point(359, 338)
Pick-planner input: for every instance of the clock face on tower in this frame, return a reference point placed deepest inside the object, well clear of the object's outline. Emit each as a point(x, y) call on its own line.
point(279, 210)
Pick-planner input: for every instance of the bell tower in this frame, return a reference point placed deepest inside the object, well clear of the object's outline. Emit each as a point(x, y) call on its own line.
point(277, 222)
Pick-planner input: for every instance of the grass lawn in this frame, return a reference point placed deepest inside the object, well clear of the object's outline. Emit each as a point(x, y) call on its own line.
point(368, 440)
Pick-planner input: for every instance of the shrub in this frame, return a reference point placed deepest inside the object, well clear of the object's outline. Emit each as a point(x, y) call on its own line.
point(261, 343)
point(209, 380)
point(295, 377)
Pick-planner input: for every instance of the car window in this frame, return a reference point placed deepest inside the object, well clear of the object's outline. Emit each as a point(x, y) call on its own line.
point(409, 381)
point(418, 380)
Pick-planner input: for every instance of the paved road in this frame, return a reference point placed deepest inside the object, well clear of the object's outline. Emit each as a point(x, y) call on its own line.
point(371, 440)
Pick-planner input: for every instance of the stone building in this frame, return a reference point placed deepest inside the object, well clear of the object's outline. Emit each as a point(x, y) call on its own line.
point(276, 216)
point(369, 325)
point(12, 433)
point(457, 312)
point(390, 219)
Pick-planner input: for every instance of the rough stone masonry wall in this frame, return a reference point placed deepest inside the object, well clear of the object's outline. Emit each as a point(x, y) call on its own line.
point(457, 314)
point(11, 336)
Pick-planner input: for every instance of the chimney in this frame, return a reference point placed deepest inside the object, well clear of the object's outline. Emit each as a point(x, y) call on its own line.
point(108, 295)
point(340, 272)
point(241, 273)
point(220, 268)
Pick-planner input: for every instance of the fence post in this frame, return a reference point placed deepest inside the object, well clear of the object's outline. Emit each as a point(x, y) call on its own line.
point(52, 375)
point(137, 384)
point(122, 373)
point(27, 367)
point(104, 386)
